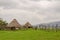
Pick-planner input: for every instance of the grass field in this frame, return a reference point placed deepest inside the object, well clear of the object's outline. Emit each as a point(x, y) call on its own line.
point(29, 35)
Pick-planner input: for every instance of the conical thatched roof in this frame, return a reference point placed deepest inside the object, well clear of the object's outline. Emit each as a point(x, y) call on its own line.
point(14, 23)
point(27, 25)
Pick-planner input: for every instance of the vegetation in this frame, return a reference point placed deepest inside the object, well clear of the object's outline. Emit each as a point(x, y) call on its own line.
point(2, 24)
point(29, 34)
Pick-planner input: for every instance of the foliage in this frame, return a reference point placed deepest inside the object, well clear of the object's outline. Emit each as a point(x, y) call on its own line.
point(2, 22)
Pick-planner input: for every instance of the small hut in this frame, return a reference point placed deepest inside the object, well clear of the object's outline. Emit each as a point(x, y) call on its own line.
point(13, 25)
point(27, 25)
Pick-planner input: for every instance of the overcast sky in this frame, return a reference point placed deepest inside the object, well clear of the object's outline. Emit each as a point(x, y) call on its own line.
point(34, 11)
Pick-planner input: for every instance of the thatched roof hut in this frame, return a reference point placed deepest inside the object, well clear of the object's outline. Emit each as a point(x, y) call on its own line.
point(27, 25)
point(14, 24)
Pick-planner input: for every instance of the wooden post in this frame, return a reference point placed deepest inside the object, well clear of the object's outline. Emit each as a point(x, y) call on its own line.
point(56, 27)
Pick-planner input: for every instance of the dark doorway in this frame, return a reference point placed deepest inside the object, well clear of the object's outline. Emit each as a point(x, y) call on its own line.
point(12, 28)
point(29, 27)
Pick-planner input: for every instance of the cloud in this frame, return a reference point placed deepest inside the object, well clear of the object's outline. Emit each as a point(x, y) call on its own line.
point(8, 4)
point(35, 0)
point(34, 11)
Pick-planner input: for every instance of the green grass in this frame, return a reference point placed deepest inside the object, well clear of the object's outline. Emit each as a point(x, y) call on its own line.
point(29, 35)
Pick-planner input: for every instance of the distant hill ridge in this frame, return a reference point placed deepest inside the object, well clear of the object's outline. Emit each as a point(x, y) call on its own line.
point(51, 23)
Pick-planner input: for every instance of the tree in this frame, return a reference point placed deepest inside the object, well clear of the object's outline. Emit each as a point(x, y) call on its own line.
point(3, 24)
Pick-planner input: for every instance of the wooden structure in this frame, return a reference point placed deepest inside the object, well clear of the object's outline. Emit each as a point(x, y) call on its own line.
point(27, 25)
point(14, 25)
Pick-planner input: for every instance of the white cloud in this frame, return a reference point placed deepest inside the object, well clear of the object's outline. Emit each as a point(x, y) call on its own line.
point(34, 11)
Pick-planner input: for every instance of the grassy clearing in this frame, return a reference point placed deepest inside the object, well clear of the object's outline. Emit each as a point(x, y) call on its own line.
point(29, 35)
